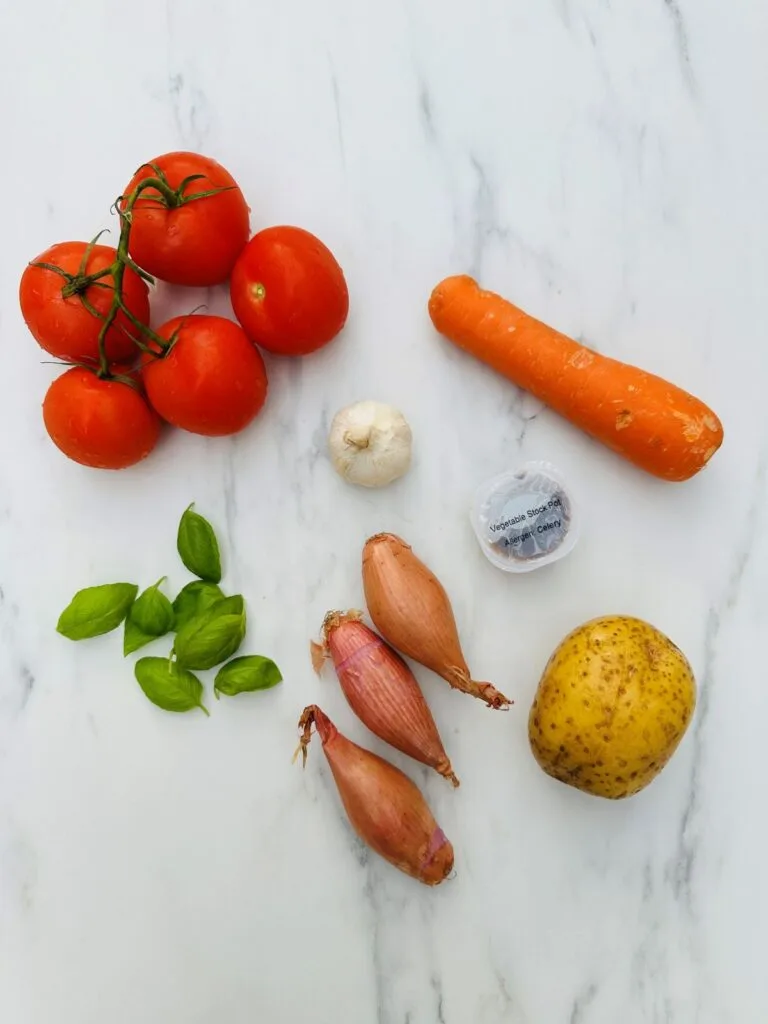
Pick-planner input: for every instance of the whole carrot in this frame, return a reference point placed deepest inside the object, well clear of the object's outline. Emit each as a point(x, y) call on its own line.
point(652, 423)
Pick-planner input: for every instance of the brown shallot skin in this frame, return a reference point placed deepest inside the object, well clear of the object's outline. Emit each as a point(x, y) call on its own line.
point(384, 807)
point(382, 691)
point(411, 610)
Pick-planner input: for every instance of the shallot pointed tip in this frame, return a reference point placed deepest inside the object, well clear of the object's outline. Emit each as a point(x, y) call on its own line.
point(444, 768)
point(305, 725)
point(459, 680)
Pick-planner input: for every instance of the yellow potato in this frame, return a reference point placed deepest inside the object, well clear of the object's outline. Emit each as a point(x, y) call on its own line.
point(614, 702)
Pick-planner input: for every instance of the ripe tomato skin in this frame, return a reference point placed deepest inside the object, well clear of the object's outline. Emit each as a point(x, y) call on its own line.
point(197, 242)
point(63, 326)
point(289, 292)
point(99, 423)
point(213, 381)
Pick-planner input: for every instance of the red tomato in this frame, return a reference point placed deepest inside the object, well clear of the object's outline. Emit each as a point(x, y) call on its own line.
point(289, 292)
point(194, 241)
point(63, 326)
point(212, 381)
point(100, 423)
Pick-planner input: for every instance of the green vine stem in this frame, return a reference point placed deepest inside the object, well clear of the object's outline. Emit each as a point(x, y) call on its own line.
point(122, 261)
point(78, 284)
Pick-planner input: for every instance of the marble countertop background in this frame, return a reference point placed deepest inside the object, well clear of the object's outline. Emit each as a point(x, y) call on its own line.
point(603, 164)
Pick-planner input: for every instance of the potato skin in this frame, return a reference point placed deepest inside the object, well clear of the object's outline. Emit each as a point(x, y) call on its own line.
point(611, 708)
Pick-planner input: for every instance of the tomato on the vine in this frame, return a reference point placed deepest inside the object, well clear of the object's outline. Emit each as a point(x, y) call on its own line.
point(289, 292)
point(55, 303)
point(99, 422)
point(211, 380)
point(181, 238)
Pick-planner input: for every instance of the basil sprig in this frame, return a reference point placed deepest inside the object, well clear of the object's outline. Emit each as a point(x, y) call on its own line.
point(209, 626)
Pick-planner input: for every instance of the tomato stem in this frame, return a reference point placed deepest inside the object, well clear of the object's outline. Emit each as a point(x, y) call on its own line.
point(78, 284)
point(144, 329)
point(87, 253)
point(138, 270)
point(117, 270)
point(160, 183)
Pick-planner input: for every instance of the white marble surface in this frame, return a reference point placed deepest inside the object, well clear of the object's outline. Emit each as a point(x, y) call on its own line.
point(603, 164)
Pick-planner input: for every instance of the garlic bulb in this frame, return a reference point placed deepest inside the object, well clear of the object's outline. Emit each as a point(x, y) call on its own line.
point(370, 444)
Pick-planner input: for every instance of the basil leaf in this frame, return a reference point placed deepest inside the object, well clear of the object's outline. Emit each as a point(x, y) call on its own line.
point(152, 612)
point(243, 675)
point(96, 610)
point(198, 547)
point(213, 636)
point(168, 685)
point(151, 615)
point(193, 599)
point(134, 638)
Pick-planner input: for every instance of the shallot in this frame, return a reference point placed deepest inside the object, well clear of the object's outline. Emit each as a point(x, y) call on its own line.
point(381, 690)
point(384, 807)
point(411, 610)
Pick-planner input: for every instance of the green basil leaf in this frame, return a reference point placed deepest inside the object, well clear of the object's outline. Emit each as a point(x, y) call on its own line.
point(152, 612)
point(134, 638)
point(213, 636)
point(150, 616)
point(96, 610)
point(193, 599)
point(198, 547)
point(243, 675)
point(169, 685)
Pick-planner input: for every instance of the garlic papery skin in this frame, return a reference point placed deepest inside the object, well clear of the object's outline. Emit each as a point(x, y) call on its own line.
point(370, 444)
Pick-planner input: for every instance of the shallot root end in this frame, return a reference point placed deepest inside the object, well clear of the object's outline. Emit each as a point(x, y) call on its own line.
point(320, 652)
point(438, 860)
point(378, 537)
point(335, 619)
